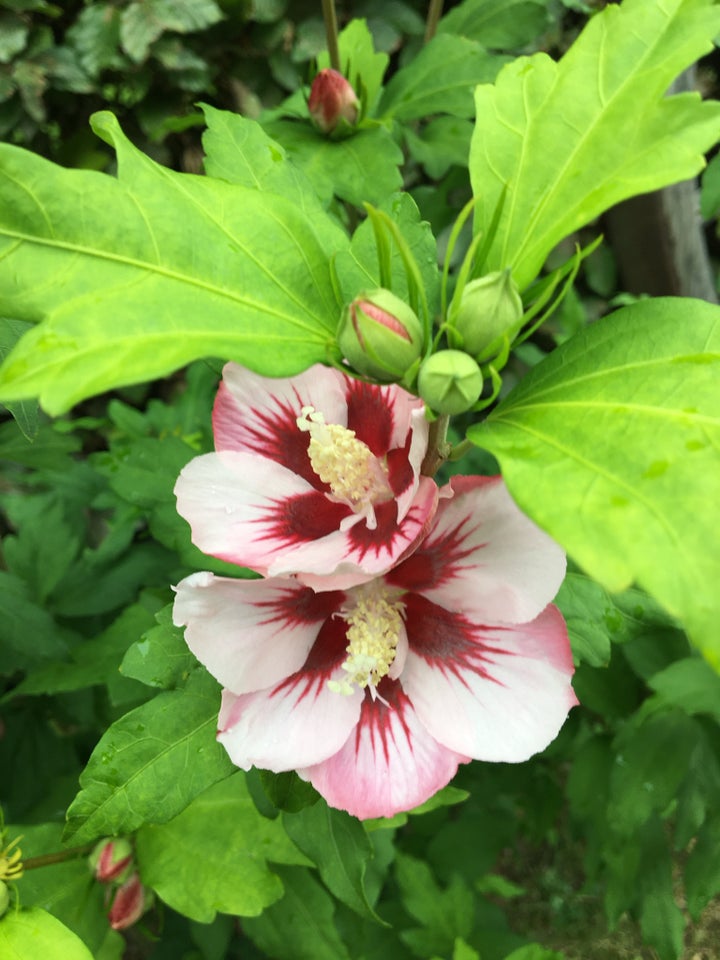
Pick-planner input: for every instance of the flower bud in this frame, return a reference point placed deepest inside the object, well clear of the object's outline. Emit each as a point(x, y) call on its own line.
point(490, 307)
point(4, 898)
point(380, 336)
point(332, 101)
point(111, 860)
point(128, 904)
point(449, 381)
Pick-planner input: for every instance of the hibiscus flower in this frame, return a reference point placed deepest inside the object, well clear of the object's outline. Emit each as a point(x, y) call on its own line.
point(315, 476)
point(376, 693)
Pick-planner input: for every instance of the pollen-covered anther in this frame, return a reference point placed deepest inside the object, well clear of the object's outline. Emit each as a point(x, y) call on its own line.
point(346, 464)
point(375, 625)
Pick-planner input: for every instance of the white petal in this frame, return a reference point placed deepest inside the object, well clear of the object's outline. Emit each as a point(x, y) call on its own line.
point(291, 725)
point(389, 763)
point(493, 693)
point(484, 556)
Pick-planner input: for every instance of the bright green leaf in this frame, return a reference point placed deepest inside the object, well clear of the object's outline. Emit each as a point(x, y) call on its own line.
point(212, 857)
point(148, 272)
point(35, 933)
point(68, 891)
point(149, 765)
point(611, 445)
point(440, 79)
point(357, 269)
point(358, 59)
point(568, 140)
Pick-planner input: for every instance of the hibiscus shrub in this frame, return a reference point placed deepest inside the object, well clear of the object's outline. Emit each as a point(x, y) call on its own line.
point(287, 591)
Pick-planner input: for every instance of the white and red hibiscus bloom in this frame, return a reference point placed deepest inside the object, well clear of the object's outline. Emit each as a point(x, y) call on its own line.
point(376, 693)
point(316, 476)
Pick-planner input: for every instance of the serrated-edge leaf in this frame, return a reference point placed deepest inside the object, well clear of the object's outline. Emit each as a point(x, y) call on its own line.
point(568, 140)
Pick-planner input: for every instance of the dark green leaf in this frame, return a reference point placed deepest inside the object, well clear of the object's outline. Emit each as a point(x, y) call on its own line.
point(213, 856)
point(499, 24)
point(160, 658)
point(440, 79)
point(338, 845)
point(300, 926)
point(150, 764)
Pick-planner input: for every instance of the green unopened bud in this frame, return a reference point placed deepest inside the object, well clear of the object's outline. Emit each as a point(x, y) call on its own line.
point(450, 382)
point(4, 898)
point(490, 308)
point(380, 336)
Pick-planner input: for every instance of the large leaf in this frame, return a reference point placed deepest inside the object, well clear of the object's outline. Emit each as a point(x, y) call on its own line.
point(35, 933)
point(150, 764)
point(141, 275)
point(502, 24)
point(339, 845)
point(611, 445)
point(301, 926)
point(440, 79)
point(362, 167)
point(568, 140)
point(213, 856)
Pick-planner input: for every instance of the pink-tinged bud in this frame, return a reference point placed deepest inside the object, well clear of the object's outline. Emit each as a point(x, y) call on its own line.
point(111, 860)
point(332, 101)
point(380, 336)
point(128, 904)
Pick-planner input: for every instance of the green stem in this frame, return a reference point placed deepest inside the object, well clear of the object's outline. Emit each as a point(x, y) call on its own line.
point(438, 448)
point(331, 32)
point(60, 857)
point(434, 14)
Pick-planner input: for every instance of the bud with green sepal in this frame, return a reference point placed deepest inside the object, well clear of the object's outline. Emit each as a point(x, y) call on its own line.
point(450, 382)
point(4, 897)
point(489, 313)
point(112, 860)
point(333, 104)
point(380, 336)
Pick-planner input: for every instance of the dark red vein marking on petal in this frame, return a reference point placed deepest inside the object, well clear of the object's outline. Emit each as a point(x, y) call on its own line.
point(302, 606)
point(436, 561)
point(448, 641)
point(370, 415)
point(326, 654)
point(384, 720)
point(274, 434)
point(303, 518)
